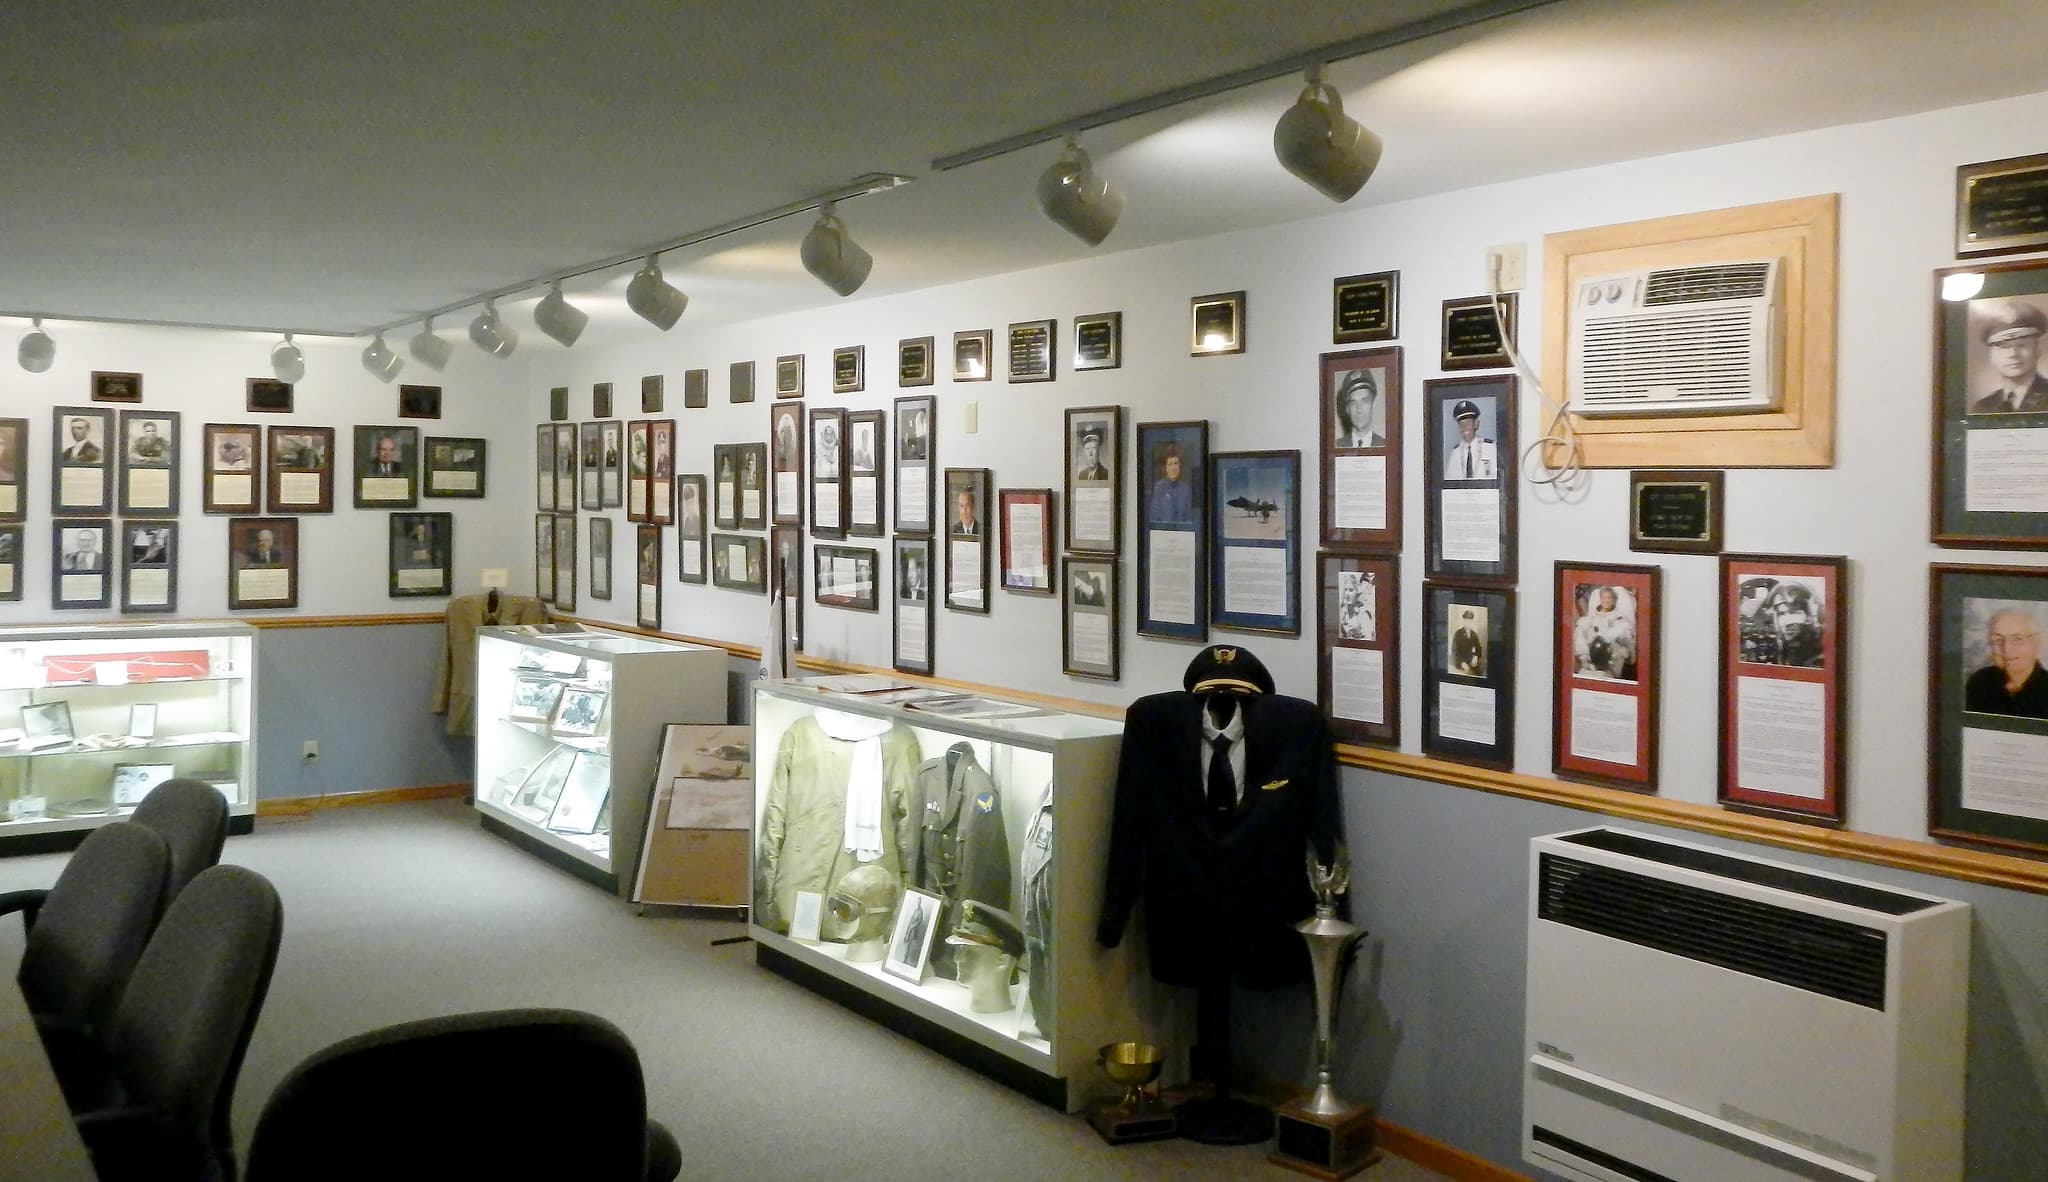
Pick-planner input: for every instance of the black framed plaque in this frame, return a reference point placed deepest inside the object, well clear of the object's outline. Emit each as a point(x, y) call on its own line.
point(970, 355)
point(914, 361)
point(1099, 341)
point(2002, 206)
point(696, 389)
point(1031, 350)
point(1473, 337)
point(849, 369)
point(1365, 308)
point(740, 382)
point(1673, 512)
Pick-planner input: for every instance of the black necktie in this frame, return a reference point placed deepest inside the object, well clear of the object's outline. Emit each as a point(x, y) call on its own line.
point(1468, 461)
point(1222, 785)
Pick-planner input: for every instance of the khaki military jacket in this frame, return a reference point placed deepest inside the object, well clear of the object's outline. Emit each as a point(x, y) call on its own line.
point(802, 843)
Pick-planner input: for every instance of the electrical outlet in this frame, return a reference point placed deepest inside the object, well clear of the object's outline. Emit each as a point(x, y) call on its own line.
point(309, 750)
point(1507, 266)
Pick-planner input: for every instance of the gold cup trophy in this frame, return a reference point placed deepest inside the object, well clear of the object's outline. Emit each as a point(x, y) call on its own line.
point(1138, 1116)
point(1322, 1134)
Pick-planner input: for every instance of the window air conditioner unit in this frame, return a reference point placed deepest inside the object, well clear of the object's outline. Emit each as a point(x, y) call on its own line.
point(1703, 1017)
point(1677, 341)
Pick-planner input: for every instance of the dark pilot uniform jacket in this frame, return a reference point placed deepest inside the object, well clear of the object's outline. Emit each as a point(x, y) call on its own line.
point(963, 851)
point(1220, 896)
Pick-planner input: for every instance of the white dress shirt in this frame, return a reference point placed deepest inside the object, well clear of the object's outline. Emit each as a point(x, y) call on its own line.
point(1234, 731)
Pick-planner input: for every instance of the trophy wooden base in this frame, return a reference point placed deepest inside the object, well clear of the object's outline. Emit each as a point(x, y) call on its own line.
point(1121, 1125)
point(1327, 1147)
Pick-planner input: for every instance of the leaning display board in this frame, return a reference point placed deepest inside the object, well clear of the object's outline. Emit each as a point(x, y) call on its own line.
point(92, 718)
point(569, 725)
point(963, 912)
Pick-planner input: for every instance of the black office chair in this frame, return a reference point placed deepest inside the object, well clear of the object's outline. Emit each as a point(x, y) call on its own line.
point(86, 932)
point(538, 1093)
point(192, 818)
point(151, 1094)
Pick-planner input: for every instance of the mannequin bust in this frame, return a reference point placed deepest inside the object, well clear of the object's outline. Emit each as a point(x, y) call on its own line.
point(864, 901)
point(986, 971)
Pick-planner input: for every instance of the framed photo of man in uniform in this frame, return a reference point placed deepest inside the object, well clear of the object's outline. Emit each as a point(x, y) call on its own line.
point(1094, 484)
point(910, 935)
point(1991, 438)
point(387, 467)
point(1358, 657)
point(1784, 624)
point(1360, 398)
point(81, 472)
point(1987, 707)
point(301, 469)
point(1468, 674)
point(149, 566)
point(13, 469)
point(566, 477)
point(639, 468)
point(1469, 453)
point(422, 554)
point(149, 463)
point(916, 460)
point(81, 562)
point(1606, 663)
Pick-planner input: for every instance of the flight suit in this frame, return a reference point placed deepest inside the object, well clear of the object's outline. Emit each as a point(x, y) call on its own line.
point(802, 843)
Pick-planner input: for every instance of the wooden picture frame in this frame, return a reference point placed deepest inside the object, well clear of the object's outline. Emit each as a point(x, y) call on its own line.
point(911, 933)
point(233, 476)
point(661, 487)
point(968, 538)
point(1990, 437)
point(1254, 541)
point(696, 389)
point(422, 561)
point(601, 558)
point(544, 557)
point(725, 482)
point(867, 481)
point(14, 468)
point(639, 469)
point(2002, 206)
point(13, 546)
point(152, 462)
point(81, 563)
point(915, 457)
point(1468, 674)
point(267, 396)
point(753, 476)
point(1358, 654)
point(611, 482)
point(1784, 639)
point(1607, 665)
point(911, 617)
point(739, 562)
point(263, 562)
point(1365, 308)
point(786, 578)
point(565, 561)
point(692, 509)
point(1476, 335)
point(110, 386)
point(419, 402)
point(1091, 602)
point(971, 355)
point(1987, 706)
point(299, 469)
point(1216, 324)
point(651, 394)
point(387, 467)
point(1173, 529)
point(847, 576)
point(1359, 393)
point(1459, 508)
point(647, 577)
point(849, 369)
point(544, 467)
point(1675, 512)
point(827, 442)
point(788, 443)
point(1032, 346)
point(1094, 489)
point(456, 466)
point(1099, 341)
point(1030, 559)
point(739, 382)
point(600, 400)
point(789, 376)
point(567, 474)
point(81, 461)
point(914, 362)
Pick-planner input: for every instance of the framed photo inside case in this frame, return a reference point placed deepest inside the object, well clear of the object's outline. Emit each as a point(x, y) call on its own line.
point(1784, 623)
point(910, 935)
point(1468, 674)
point(1358, 654)
point(422, 554)
point(1606, 664)
point(580, 712)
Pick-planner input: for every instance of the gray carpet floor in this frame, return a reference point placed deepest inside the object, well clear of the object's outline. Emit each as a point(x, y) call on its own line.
point(397, 912)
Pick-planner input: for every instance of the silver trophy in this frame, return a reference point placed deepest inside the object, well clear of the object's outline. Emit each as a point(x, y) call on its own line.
point(1322, 1133)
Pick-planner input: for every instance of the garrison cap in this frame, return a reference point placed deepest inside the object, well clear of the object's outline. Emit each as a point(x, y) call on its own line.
point(2012, 320)
point(1229, 669)
point(1467, 409)
point(980, 923)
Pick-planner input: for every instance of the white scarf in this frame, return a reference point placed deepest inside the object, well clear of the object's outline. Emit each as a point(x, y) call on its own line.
point(863, 779)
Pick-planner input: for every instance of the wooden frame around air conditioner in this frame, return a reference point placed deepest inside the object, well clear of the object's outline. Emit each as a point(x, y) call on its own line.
point(1801, 434)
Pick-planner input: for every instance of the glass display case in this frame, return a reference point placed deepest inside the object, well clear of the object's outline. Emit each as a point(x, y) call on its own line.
point(935, 860)
point(92, 718)
point(569, 728)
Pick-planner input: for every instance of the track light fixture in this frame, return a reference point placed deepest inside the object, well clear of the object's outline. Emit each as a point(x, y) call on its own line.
point(430, 349)
point(1075, 199)
point(832, 256)
point(491, 333)
point(287, 360)
point(382, 363)
point(37, 350)
point(653, 298)
point(1317, 142)
point(557, 317)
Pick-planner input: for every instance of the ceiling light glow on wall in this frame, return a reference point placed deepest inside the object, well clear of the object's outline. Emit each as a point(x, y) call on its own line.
point(653, 298)
point(37, 350)
point(491, 333)
point(429, 349)
point(1963, 285)
point(557, 317)
point(832, 256)
point(382, 363)
point(1075, 199)
point(287, 360)
point(1317, 142)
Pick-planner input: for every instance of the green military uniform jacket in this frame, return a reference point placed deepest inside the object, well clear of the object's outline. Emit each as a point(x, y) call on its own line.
point(802, 843)
point(963, 849)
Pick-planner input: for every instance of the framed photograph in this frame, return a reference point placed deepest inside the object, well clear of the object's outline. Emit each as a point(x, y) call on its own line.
point(828, 472)
point(565, 561)
point(534, 699)
point(1607, 658)
point(1173, 539)
point(419, 402)
point(455, 466)
point(590, 437)
point(81, 562)
point(1090, 627)
point(558, 404)
point(600, 400)
point(268, 396)
point(690, 532)
point(601, 558)
point(849, 369)
point(82, 474)
point(580, 712)
point(1216, 324)
point(149, 566)
point(580, 805)
point(263, 562)
point(910, 936)
point(647, 577)
point(422, 554)
point(1255, 541)
point(696, 389)
point(786, 450)
point(1474, 337)
point(789, 376)
point(1987, 706)
point(566, 475)
point(1469, 456)
point(651, 394)
point(544, 556)
point(639, 468)
point(1673, 512)
point(149, 463)
point(301, 469)
point(142, 720)
point(387, 467)
point(1359, 393)
point(1784, 624)
point(967, 539)
point(1468, 674)
point(132, 781)
point(786, 578)
point(116, 387)
point(866, 480)
point(914, 361)
point(2002, 206)
point(739, 382)
point(13, 539)
point(611, 477)
point(916, 460)
point(847, 576)
point(544, 467)
point(739, 563)
point(1032, 356)
point(1358, 662)
point(661, 486)
point(1028, 540)
point(807, 917)
point(13, 469)
point(1099, 341)
point(233, 481)
point(45, 724)
point(910, 632)
point(1991, 413)
point(543, 785)
point(1094, 491)
point(1365, 308)
point(971, 354)
point(750, 461)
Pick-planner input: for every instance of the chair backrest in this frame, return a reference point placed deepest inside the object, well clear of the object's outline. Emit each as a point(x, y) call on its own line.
point(94, 925)
point(176, 1042)
point(192, 818)
point(534, 1093)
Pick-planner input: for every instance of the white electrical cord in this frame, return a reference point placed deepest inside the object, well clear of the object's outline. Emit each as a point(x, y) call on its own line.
point(1560, 433)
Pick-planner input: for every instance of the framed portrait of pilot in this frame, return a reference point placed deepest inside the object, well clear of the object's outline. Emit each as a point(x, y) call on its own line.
point(1468, 674)
point(149, 566)
point(1606, 661)
point(1094, 479)
point(81, 562)
point(1173, 533)
point(1255, 541)
point(13, 469)
point(1784, 624)
point(81, 471)
point(911, 933)
point(387, 468)
point(422, 554)
point(232, 468)
point(1358, 656)
point(1991, 437)
point(149, 463)
point(916, 460)
point(1359, 393)
point(1469, 460)
point(1987, 706)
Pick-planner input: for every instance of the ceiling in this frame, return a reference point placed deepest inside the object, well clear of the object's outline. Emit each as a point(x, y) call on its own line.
point(329, 165)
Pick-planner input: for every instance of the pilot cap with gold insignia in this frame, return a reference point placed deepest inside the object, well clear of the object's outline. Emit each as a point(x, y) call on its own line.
point(980, 923)
point(1226, 668)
